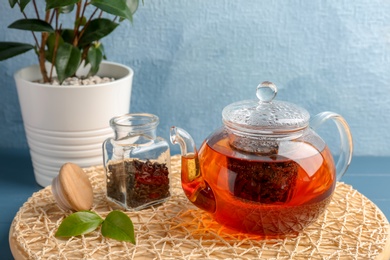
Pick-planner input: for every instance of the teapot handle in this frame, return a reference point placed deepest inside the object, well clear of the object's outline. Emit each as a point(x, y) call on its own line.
point(345, 139)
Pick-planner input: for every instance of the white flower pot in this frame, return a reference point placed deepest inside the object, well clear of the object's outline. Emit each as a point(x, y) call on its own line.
point(69, 123)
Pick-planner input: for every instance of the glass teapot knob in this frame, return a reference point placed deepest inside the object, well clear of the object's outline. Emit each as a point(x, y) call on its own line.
point(266, 91)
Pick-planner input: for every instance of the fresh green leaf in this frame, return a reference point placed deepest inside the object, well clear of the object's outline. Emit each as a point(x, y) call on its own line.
point(68, 35)
point(67, 61)
point(50, 44)
point(102, 49)
point(66, 9)
point(97, 29)
point(12, 3)
point(133, 5)
point(118, 226)
point(11, 49)
point(118, 8)
point(79, 223)
point(59, 3)
point(95, 57)
point(22, 3)
point(81, 21)
point(35, 25)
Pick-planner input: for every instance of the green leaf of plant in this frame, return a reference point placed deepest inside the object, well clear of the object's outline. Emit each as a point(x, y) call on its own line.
point(11, 49)
point(79, 223)
point(104, 53)
point(97, 29)
point(12, 3)
point(50, 44)
point(133, 5)
point(118, 226)
point(81, 21)
point(118, 8)
point(66, 9)
point(94, 57)
point(67, 35)
point(59, 3)
point(22, 3)
point(67, 61)
point(35, 25)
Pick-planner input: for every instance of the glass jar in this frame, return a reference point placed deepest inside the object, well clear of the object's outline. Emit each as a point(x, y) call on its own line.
point(136, 162)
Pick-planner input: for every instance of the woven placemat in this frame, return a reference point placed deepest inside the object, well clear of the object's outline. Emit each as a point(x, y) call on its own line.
point(352, 227)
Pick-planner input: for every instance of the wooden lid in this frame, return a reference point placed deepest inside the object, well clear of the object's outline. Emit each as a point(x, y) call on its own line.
point(72, 188)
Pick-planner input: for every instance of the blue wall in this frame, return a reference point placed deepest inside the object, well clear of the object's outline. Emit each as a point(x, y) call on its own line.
point(192, 58)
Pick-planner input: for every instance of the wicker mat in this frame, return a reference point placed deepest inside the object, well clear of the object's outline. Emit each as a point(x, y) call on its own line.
point(351, 228)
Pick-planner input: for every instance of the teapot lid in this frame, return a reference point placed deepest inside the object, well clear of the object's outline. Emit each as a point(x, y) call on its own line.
point(265, 115)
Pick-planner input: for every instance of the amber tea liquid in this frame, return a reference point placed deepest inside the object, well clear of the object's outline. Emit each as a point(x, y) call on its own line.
point(270, 196)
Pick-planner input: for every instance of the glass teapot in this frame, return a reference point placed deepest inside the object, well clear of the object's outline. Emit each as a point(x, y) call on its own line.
point(266, 171)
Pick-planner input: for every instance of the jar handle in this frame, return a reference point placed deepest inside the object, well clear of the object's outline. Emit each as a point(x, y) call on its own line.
point(346, 147)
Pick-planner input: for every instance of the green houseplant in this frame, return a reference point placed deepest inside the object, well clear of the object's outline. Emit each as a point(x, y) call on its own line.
point(68, 123)
point(67, 48)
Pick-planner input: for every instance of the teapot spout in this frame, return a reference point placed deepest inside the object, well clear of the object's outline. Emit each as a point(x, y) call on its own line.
point(195, 187)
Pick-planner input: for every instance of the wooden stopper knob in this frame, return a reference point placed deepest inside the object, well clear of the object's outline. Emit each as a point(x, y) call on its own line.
point(72, 188)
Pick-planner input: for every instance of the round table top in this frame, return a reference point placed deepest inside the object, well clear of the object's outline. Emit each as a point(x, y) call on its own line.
point(352, 227)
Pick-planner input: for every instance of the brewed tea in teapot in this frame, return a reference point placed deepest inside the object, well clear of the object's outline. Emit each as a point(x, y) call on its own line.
point(266, 171)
